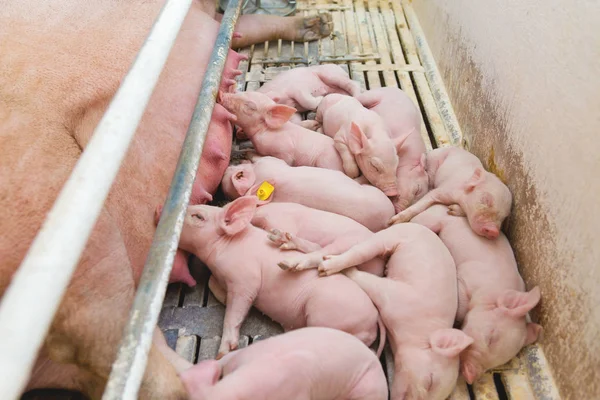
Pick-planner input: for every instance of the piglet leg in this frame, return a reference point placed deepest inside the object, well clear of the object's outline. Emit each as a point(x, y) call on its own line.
point(310, 124)
point(356, 255)
point(239, 301)
point(315, 259)
point(380, 290)
point(343, 82)
point(436, 196)
point(456, 210)
point(286, 241)
point(217, 291)
point(306, 100)
point(430, 221)
point(348, 161)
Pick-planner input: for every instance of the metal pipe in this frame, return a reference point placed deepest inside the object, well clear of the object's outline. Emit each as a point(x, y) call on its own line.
point(31, 300)
point(128, 369)
point(436, 84)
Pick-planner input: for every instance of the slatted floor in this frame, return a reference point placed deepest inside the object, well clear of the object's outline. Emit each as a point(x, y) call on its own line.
point(376, 44)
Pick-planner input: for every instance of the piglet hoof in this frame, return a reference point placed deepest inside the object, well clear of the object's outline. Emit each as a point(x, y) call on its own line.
point(313, 27)
point(284, 265)
point(324, 271)
point(398, 218)
point(456, 210)
point(227, 345)
point(282, 239)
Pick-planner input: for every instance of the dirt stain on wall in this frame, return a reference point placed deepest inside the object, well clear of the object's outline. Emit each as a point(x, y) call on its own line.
point(485, 122)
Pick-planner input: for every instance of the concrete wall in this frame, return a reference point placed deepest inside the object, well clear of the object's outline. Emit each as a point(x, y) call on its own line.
point(524, 79)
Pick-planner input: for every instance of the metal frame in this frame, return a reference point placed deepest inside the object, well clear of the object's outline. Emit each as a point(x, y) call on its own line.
point(128, 369)
point(57, 248)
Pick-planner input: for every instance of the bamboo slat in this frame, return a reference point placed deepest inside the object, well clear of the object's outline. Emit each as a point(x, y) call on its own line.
point(431, 112)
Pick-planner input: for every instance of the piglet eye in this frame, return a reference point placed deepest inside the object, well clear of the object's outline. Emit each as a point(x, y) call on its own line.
point(249, 108)
point(491, 338)
point(374, 166)
point(200, 217)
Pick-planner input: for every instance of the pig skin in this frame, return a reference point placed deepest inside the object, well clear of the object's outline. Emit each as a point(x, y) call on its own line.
point(296, 370)
point(362, 139)
point(267, 125)
point(318, 188)
point(303, 88)
point(403, 119)
point(492, 302)
point(328, 233)
point(213, 163)
point(457, 179)
point(62, 62)
point(243, 263)
point(417, 302)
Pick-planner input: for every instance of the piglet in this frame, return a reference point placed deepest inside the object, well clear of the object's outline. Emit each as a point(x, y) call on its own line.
point(403, 120)
point(460, 181)
point(362, 139)
point(244, 264)
point(309, 363)
point(267, 125)
point(417, 302)
point(492, 301)
point(304, 88)
point(315, 232)
point(318, 188)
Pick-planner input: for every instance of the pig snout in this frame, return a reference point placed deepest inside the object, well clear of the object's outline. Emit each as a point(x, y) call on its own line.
point(391, 190)
point(490, 231)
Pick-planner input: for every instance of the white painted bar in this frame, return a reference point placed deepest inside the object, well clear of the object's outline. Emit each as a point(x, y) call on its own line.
point(31, 300)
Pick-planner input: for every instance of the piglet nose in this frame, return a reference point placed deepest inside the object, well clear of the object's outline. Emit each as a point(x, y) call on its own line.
point(490, 232)
point(391, 191)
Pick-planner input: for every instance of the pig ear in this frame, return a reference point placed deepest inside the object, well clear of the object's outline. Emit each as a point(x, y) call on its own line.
point(423, 161)
point(449, 342)
point(357, 141)
point(202, 375)
point(237, 215)
point(475, 180)
point(399, 141)
point(517, 304)
point(242, 184)
point(534, 333)
point(273, 96)
point(278, 114)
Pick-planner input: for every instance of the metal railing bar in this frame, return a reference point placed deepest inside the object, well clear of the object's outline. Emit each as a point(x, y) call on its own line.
point(33, 297)
point(128, 369)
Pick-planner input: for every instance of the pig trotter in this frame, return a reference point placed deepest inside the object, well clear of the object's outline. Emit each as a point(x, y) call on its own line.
point(302, 264)
point(331, 266)
point(348, 161)
point(399, 218)
point(283, 240)
point(313, 27)
point(227, 345)
point(310, 124)
point(284, 265)
point(456, 210)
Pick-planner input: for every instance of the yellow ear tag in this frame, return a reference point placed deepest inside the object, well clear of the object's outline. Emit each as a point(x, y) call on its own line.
point(264, 191)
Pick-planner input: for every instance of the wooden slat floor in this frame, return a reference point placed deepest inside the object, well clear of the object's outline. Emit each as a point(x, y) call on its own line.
point(373, 41)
